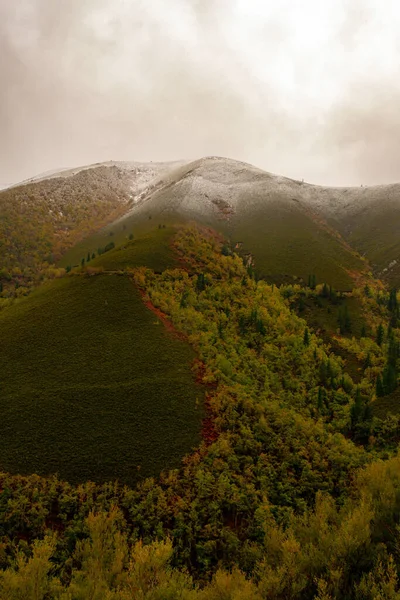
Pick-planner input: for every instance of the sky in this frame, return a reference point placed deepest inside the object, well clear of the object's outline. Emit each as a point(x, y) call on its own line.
point(302, 88)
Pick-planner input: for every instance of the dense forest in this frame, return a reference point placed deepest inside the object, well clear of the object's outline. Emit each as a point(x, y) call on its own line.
point(294, 491)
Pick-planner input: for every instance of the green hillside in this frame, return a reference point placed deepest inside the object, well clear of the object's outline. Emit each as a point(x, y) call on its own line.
point(93, 385)
point(287, 244)
point(374, 232)
point(151, 249)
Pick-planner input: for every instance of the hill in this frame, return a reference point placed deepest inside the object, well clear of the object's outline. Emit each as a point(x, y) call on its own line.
point(94, 386)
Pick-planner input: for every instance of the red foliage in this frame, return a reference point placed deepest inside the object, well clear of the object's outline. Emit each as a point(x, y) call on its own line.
point(162, 316)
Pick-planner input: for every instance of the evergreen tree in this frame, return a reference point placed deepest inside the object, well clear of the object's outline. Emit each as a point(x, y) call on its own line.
point(379, 387)
point(88, 257)
point(131, 236)
point(392, 303)
point(380, 334)
point(93, 256)
point(321, 397)
point(312, 282)
point(82, 262)
point(367, 291)
point(344, 320)
point(306, 337)
point(357, 409)
point(367, 362)
point(200, 283)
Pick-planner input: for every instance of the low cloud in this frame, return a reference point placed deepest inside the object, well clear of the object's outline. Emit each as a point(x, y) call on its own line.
point(301, 88)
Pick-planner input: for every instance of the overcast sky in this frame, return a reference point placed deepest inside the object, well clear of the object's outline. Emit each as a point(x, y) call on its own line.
point(304, 88)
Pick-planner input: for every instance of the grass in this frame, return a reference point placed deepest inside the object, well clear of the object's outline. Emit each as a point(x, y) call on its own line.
point(93, 385)
point(152, 250)
point(287, 244)
point(149, 247)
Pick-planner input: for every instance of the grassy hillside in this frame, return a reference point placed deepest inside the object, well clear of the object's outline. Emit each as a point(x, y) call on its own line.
point(151, 249)
point(93, 385)
point(287, 243)
point(374, 231)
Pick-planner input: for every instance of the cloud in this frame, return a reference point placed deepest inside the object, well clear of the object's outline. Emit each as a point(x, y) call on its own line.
point(296, 87)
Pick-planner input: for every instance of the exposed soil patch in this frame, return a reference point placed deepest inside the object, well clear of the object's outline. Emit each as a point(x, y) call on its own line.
point(162, 316)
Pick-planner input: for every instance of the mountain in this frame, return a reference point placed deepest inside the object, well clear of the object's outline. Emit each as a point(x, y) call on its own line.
point(292, 229)
point(199, 378)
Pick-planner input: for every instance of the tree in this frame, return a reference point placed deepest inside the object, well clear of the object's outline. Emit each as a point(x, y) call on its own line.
point(200, 283)
point(93, 256)
point(325, 291)
point(306, 337)
point(131, 236)
point(380, 334)
point(88, 257)
point(321, 398)
point(367, 291)
point(82, 262)
point(392, 303)
point(379, 387)
point(344, 320)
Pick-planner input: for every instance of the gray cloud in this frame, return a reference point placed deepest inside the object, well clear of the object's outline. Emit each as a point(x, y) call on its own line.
point(302, 88)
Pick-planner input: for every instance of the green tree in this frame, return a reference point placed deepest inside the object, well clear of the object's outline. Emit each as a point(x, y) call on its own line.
point(344, 320)
point(380, 391)
point(306, 337)
point(380, 334)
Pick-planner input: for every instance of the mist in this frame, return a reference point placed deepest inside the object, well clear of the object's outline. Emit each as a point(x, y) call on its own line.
point(301, 88)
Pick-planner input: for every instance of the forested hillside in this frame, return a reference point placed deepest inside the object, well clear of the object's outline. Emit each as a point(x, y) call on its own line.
point(39, 221)
point(294, 491)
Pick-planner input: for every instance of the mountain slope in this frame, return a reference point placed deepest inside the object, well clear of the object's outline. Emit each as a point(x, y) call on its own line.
point(40, 219)
point(266, 214)
point(290, 229)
